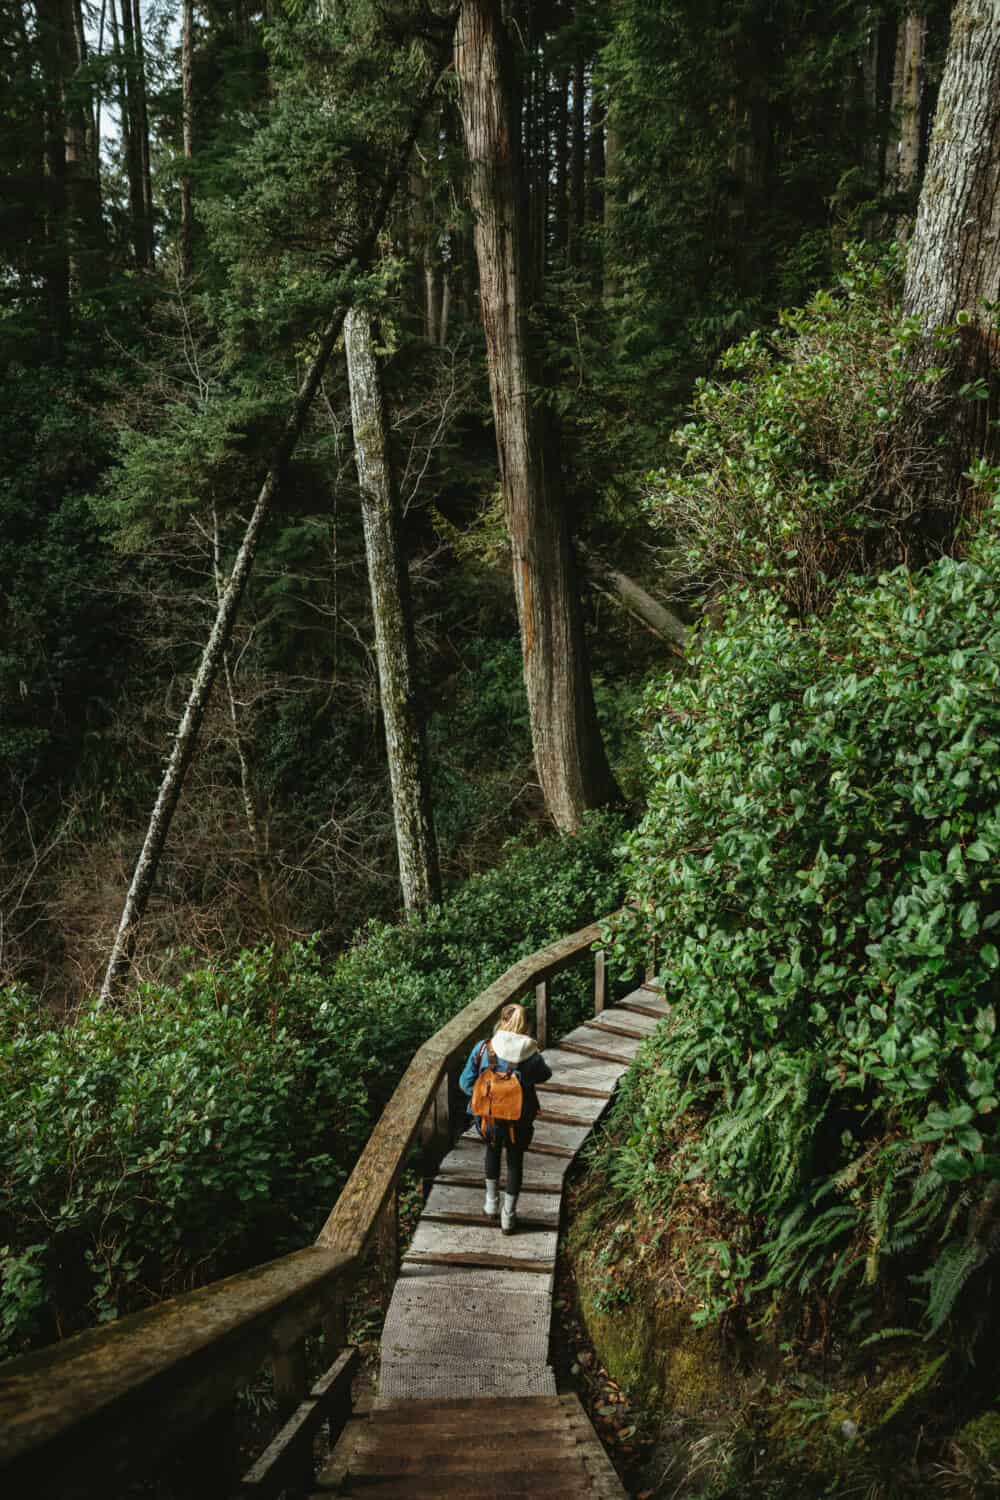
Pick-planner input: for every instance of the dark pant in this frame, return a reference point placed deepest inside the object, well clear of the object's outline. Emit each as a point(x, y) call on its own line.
point(515, 1160)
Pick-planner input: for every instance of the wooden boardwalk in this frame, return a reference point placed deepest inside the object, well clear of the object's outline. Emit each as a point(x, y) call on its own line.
point(467, 1399)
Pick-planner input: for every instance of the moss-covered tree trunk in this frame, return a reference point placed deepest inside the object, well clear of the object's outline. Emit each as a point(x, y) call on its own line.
point(393, 617)
point(569, 753)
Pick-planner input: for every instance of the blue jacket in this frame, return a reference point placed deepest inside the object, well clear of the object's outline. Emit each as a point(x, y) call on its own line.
point(514, 1054)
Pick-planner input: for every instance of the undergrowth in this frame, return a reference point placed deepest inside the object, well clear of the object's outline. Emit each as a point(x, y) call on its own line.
point(211, 1124)
point(818, 867)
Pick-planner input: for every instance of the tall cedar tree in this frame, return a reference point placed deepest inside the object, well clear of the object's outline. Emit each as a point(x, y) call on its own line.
point(569, 753)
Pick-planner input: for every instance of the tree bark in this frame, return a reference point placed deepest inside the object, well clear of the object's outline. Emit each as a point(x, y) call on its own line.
point(914, 29)
point(578, 186)
point(560, 81)
point(953, 264)
point(124, 47)
point(569, 753)
point(186, 736)
point(142, 117)
point(187, 131)
point(954, 257)
point(612, 148)
point(392, 614)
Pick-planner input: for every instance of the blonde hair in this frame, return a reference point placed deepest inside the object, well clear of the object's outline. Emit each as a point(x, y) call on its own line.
point(515, 1018)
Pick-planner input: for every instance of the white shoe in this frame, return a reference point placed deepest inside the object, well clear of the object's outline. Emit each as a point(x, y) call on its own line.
point(508, 1216)
point(492, 1205)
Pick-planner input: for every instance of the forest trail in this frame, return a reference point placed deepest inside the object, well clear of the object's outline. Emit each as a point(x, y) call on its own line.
point(467, 1397)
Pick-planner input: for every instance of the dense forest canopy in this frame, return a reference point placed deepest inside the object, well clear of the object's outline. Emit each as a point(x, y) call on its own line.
point(463, 467)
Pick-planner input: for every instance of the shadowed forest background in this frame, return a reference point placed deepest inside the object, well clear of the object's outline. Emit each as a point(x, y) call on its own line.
point(586, 415)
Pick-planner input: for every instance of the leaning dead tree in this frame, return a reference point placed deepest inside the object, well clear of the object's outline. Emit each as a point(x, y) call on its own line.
point(186, 737)
point(392, 614)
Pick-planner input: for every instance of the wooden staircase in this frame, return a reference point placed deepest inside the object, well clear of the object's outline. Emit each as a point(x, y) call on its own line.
point(467, 1398)
point(540, 1446)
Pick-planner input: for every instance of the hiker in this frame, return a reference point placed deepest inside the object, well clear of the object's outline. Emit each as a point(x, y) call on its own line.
point(499, 1079)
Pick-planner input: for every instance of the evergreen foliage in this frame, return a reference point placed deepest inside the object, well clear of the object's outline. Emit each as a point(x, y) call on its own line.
point(818, 867)
point(211, 1124)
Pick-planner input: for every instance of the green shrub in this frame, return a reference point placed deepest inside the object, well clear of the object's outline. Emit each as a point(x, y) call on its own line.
point(820, 868)
point(807, 459)
point(212, 1124)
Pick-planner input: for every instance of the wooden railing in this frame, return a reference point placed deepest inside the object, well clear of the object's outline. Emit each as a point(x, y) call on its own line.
point(154, 1393)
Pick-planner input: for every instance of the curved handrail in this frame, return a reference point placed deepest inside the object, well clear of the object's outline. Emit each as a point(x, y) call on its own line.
point(114, 1400)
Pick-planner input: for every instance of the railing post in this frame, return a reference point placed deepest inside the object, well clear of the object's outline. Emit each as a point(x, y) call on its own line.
point(600, 982)
point(651, 964)
point(387, 1245)
point(291, 1386)
point(542, 991)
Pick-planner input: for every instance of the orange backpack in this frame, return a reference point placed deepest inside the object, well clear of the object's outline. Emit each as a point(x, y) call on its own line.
point(496, 1095)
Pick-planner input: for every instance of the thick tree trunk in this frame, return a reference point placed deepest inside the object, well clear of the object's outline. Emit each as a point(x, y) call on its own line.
point(124, 46)
point(51, 39)
point(569, 754)
point(142, 117)
point(578, 185)
point(186, 737)
point(953, 264)
point(611, 153)
point(562, 153)
point(914, 29)
point(393, 618)
point(187, 129)
point(954, 257)
point(902, 151)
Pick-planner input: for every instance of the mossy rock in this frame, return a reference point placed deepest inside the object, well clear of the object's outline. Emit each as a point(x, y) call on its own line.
point(652, 1349)
point(976, 1453)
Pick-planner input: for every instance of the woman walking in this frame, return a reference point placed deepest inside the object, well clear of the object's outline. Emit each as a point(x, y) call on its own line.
point(499, 1080)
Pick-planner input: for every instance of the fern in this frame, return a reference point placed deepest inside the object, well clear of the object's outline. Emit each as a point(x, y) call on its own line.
point(947, 1277)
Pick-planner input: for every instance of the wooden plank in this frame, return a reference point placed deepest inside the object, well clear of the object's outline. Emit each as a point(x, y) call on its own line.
point(557, 1117)
point(389, 1410)
point(634, 1008)
point(465, 1179)
point(617, 1015)
point(524, 1221)
point(615, 1029)
point(500, 1262)
point(568, 1088)
point(587, 1051)
point(469, 1200)
point(538, 1244)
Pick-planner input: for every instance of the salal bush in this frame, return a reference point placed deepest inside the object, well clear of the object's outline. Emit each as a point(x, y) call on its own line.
point(819, 868)
point(212, 1123)
point(808, 456)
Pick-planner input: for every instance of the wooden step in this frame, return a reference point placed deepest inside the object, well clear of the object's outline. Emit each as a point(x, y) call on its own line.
point(568, 1088)
point(524, 1221)
point(641, 1010)
point(477, 1258)
point(586, 1051)
point(557, 1117)
point(466, 1179)
point(616, 1030)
